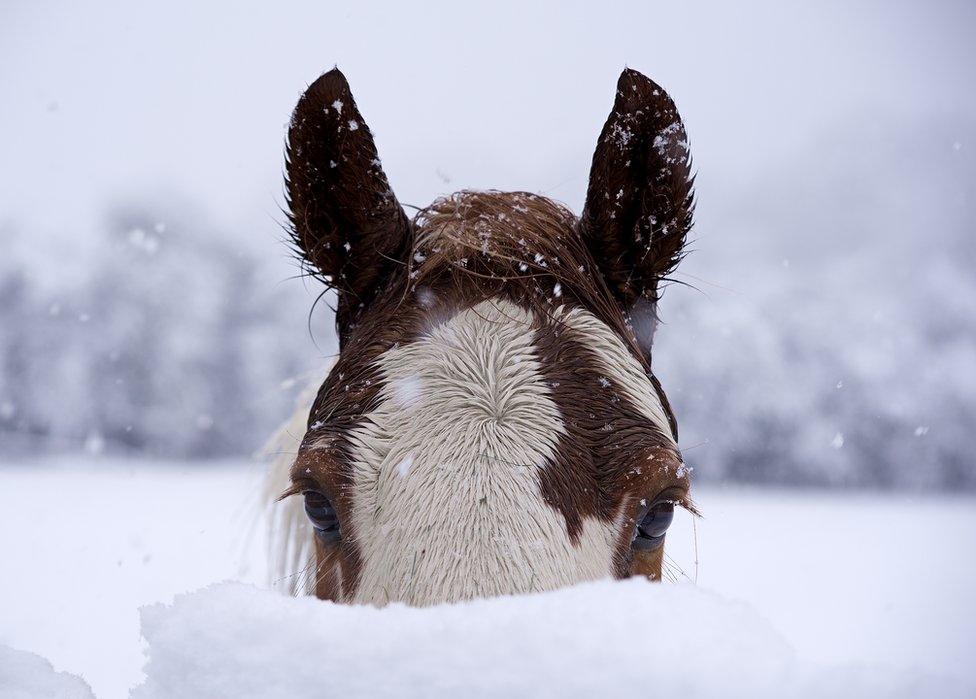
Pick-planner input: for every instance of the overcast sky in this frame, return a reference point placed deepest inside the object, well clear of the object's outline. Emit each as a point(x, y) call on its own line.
point(102, 101)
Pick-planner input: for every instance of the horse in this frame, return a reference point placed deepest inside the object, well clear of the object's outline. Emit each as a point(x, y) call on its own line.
point(491, 424)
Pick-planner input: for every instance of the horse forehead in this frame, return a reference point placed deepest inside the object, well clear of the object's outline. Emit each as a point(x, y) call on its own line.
point(467, 361)
point(489, 362)
point(470, 389)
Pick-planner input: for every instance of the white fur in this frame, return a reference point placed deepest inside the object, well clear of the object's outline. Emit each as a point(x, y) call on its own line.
point(467, 518)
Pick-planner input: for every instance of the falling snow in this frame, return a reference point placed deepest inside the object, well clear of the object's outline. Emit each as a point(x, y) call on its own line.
point(404, 465)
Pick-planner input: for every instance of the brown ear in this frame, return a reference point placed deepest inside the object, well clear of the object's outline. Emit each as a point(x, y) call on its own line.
point(639, 202)
point(346, 222)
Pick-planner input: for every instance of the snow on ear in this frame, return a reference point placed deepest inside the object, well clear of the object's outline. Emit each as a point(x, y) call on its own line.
point(640, 198)
point(346, 222)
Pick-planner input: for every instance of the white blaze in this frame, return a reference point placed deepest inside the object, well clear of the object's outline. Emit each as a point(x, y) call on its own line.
point(467, 518)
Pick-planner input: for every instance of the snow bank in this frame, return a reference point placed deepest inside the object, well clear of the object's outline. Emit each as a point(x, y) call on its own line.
point(600, 639)
point(27, 676)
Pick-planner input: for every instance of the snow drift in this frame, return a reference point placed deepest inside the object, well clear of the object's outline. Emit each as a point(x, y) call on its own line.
point(599, 639)
point(28, 676)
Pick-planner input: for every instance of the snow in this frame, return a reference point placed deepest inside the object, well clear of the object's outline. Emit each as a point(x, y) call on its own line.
point(407, 391)
point(828, 573)
point(403, 467)
point(29, 676)
point(598, 639)
point(86, 543)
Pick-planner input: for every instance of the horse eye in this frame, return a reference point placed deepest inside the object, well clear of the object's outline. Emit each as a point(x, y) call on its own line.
point(322, 515)
point(652, 524)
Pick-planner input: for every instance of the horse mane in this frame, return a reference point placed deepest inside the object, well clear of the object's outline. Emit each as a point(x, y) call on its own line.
point(289, 540)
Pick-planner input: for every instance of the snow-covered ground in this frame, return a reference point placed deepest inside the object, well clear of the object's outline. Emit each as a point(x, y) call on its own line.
point(876, 590)
point(604, 638)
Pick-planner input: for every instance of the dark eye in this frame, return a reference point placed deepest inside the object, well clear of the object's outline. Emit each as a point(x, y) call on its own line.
point(322, 515)
point(652, 524)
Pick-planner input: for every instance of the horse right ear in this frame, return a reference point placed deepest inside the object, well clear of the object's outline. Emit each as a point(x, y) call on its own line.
point(639, 201)
point(346, 222)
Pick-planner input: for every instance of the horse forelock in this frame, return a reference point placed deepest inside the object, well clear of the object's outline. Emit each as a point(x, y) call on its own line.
point(515, 244)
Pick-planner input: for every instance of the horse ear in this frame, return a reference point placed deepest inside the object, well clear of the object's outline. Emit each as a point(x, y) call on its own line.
point(640, 198)
point(346, 222)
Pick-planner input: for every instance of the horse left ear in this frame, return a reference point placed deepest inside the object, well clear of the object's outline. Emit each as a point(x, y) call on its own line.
point(640, 198)
point(346, 222)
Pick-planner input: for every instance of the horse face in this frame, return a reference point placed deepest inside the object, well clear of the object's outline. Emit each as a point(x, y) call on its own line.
point(491, 425)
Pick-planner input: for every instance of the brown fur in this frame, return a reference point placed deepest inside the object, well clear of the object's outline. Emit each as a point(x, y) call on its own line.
point(346, 222)
point(640, 199)
point(648, 564)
